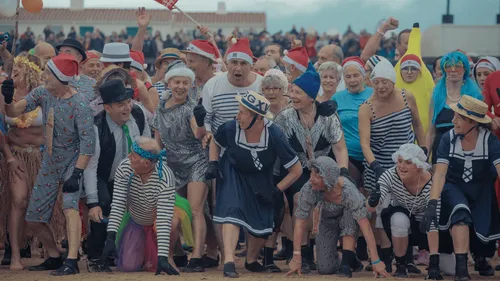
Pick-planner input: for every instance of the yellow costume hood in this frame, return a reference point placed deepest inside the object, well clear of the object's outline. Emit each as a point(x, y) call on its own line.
point(422, 87)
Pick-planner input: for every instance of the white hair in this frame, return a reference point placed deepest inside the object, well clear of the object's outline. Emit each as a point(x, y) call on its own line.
point(330, 65)
point(412, 152)
point(275, 77)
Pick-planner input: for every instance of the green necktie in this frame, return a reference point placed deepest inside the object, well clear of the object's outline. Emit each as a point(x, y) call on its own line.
point(129, 140)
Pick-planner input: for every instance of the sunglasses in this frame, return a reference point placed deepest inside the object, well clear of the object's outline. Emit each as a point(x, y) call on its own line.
point(448, 66)
point(409, 69)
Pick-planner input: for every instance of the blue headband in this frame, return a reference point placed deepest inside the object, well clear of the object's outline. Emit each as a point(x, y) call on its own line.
point(459, 105)
point(148, 155)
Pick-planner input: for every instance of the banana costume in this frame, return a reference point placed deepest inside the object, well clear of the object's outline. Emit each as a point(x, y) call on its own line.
point(423, 86)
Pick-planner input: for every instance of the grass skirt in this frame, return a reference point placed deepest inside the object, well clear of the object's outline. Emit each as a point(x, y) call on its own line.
point(30, 160)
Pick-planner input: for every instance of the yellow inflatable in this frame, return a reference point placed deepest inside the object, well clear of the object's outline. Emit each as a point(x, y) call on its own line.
point(422, 87)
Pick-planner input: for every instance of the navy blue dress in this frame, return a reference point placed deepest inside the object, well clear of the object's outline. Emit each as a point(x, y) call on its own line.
point(245, 169)
point(469, 185)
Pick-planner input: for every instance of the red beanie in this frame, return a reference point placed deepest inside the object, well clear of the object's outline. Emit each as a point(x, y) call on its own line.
point(411, 60)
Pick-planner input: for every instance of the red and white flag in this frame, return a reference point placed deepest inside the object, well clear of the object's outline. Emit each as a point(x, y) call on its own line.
point(168, 3)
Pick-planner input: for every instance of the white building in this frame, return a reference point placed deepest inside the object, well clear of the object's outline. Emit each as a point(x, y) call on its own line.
point(116, 20)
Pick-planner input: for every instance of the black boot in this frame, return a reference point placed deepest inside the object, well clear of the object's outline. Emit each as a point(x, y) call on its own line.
point(361, 249)
point(181, 261)
point(482, 265)
point(230, 270)
point(461, 270)
point(310, 255)
point(26, 252)
point(348, 258)
point(70, 267)
point(194, 265)
point(410, 261)
point(48, 264)
point(387, 257)
point(268, 261)
point(304, 251)
point(434, 273)
point(7, 255)
point(286, 251)
point(497, 268)
point(357, 265)
point(401, 263)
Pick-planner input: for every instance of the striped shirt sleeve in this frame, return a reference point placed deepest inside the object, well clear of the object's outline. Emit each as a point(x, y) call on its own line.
point(207, 96)
point(119, 202)
point(165, 212)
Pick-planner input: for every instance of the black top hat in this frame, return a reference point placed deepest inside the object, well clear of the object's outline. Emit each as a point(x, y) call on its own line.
point(114, 91)
point(73, 43)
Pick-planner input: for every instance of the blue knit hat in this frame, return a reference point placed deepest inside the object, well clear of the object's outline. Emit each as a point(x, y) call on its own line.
point(309, 82)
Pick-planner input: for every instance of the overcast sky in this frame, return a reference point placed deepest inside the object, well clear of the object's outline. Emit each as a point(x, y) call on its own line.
point(324, 15)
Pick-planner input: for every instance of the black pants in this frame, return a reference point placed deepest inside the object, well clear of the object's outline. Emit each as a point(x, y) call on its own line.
point(416, 238)
point(98, 231)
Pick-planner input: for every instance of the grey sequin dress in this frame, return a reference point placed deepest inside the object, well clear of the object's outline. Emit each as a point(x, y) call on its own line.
point(185, 154)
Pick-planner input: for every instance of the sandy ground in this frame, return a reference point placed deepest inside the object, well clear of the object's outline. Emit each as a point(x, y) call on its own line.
point(209, 275)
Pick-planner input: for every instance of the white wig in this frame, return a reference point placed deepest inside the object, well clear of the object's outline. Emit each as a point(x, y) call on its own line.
point(412, 152)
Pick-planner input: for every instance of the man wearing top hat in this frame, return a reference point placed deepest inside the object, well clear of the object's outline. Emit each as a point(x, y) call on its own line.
point(84, 84)
point(120, 124)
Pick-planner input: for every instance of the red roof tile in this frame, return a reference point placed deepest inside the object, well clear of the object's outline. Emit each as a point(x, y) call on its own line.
point(126, 15)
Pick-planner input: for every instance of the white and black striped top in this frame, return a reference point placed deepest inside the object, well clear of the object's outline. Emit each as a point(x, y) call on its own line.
point(220, 102)
point(392, 185)
point(145, 202)
point(387, 134)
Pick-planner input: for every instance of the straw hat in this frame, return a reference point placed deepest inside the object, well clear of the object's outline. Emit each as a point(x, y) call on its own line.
point(472, 108)
point(256, 103)
point(168, 53)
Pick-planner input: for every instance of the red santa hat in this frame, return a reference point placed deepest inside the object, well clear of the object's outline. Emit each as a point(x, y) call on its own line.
point(90, 55)
point(411, 60)
point(240, 50)
point(298, 57)
point(356, 62)
point(203, 48)
point(138, 61)
point(64, 67)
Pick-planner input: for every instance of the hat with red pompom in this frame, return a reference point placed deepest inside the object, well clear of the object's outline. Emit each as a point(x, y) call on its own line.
point(138, 61)
point(411, 60)
point(240, 50)
point(356, 62)
point(298, 57)
point(64, 67)
point(203, 48)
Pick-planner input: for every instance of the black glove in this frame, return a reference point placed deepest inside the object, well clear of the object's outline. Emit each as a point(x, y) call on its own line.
point(164, 266)
point(377, 169)
point(72, 184)
point(425, 150)
point(212, 170)
point(374, 198)
point(327, 108)
point(345, 173)
point(110, 246)
point(430, 216)
point(8, 91)
point(199, 114)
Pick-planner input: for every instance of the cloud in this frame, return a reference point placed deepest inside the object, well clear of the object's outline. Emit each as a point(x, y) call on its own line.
point(273, 8)
point(386, 4)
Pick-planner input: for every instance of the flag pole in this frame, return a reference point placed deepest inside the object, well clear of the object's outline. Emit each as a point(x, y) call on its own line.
point(189, 17)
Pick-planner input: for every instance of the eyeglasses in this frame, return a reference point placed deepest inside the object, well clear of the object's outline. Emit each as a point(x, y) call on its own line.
point(409, 69)
point(272, 89)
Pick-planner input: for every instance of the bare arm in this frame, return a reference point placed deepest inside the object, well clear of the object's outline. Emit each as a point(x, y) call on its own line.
point(199, 132)
point(143, 20)
point(431, 131)
point(439, 179)
point(364, 125)
point(417, 125)
point(294, 174)
point(366, 229)
point(373, 43)
point(158, 138)
point(150, 102)
point(298, 233)
point(340, 151)
point(16, 108)
point(82, 161)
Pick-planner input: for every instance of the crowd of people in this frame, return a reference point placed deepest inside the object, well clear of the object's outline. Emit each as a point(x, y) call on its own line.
point(370, 156)
point(352, 44)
